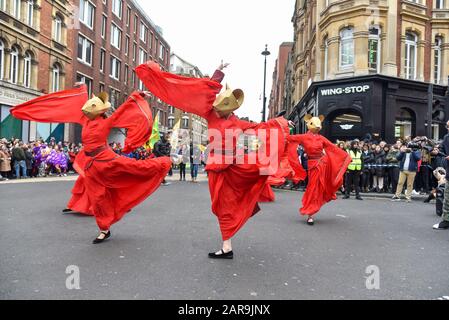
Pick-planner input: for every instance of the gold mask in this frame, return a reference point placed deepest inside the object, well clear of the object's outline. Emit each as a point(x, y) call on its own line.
point(229, 100)
point(96, 106)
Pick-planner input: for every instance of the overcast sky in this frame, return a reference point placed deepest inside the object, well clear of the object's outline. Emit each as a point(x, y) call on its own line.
point(204, 32)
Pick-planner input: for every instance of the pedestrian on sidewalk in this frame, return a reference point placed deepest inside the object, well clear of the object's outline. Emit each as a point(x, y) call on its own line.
point(354, 171)
point(19, 158)
point(195, 161)
point(408, 157)
point(444, 224)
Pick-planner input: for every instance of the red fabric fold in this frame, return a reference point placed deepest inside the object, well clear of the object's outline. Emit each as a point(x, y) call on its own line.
point(189, 94)
point(63, 107)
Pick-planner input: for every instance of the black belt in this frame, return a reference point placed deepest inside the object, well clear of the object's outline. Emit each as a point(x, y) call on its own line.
point(96, 152)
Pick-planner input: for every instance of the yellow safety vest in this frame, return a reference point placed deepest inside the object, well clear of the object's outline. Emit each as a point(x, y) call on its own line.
point(356, 163)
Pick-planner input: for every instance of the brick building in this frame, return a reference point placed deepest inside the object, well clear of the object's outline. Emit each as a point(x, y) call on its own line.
point(277, 102)
point(112, 38)
point(35, 58)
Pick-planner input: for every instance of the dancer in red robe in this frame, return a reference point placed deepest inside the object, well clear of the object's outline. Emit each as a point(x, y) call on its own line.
point(109, 185)
point(327, 165)
point(235, 184)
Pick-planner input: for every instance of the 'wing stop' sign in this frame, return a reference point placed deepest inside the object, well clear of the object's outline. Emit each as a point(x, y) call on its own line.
point(345, 90)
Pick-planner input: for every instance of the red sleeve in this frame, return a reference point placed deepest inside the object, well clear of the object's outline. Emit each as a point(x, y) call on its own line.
point(293, 157)
point(188, 94)
point(135, 116)
point(218, 76)
point(63, 107)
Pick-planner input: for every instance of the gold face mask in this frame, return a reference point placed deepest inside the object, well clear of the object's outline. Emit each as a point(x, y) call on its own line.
point(96, 106)
point(314, 124)
point(229, 100)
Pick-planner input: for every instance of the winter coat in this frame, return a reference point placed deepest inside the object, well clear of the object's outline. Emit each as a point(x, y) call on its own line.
point(379, 162)
point(5, 161)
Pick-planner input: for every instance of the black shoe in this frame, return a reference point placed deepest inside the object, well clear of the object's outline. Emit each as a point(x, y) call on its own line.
point(310, 222)
point(67, 210)
point(98, 240)
point(359, 198)
point(346, 197)
point(443, 225)
point(223, 255)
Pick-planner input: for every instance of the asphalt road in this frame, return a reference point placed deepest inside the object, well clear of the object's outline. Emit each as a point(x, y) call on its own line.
point(159, 251)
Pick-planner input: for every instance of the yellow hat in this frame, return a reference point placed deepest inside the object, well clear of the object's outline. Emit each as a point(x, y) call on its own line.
point(229, 100)
point(96, 106)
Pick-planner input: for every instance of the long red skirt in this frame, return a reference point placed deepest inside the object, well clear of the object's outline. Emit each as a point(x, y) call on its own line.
point(109, 189)
point(267, 194)
point(324, 181)
point(235, 192)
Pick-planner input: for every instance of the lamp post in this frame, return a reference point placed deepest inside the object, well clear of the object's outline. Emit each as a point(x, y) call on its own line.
point(265, 53)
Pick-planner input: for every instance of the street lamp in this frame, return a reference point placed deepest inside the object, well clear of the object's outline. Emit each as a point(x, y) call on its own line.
point(265, 53)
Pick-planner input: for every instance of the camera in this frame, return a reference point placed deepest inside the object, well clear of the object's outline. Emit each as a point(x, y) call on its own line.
point(413, 146)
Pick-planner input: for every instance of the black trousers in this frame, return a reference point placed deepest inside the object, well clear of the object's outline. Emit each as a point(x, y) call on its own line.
point(182, 171)
point(352, 179)
point(394, 177)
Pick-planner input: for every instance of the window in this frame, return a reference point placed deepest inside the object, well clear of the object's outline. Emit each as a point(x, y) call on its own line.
point(143, 32)
point(374, 49)
point(87, 13)
point(185, 122)
point(346, 48)
point(14, 65)
point(326, 57)
point(85, 50)
point(114, 96)
point(101, 87)
point(56, 78)
point(171, 123)
point(27, 70)
point(171, 109)
point(134, 51)
point(116, 36)
point(128, 16)
point(161, 52)
point(57, 36)
point(136, 19)
point(103, 26)
point(439, 4)
point(16, 8)
point(150, 41)
point(115, 68)
point(2, 59)
point(30, 12)
point(126, 74)
point(142, 56)
point(117, 7)
point(85, 80)
point(127, 45)
point(411, 44)
point(102, 59)
point(133, 79)
point(437, 60)
point(3, 5)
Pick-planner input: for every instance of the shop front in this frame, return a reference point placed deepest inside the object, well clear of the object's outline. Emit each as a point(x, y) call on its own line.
point(361, 106)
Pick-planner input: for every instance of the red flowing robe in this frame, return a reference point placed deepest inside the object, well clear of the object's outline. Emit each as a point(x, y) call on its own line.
point(109, 185)
point(327, 165)
point(235, 186)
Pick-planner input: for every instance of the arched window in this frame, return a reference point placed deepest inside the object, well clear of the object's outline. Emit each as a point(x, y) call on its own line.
point(437, 60)
point(14, 65)
point(439, 4)
point(56, 77)
point(2, 59)
point(411, 46)
point(27, 70)
point(346, 48)
point(30, 12)
point(374, 48)
point(57, 34)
